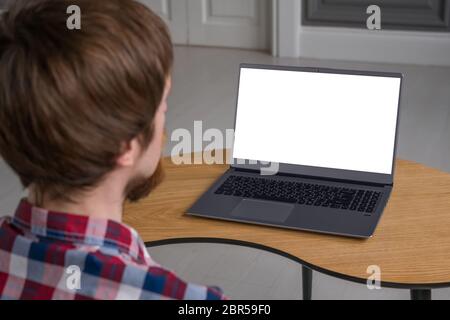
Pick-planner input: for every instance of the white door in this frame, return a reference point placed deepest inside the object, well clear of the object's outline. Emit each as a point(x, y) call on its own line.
point(220, 23)
point(174, 13)
point(229, 23)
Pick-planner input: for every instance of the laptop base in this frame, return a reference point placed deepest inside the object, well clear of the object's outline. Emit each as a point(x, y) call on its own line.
point(287, 215)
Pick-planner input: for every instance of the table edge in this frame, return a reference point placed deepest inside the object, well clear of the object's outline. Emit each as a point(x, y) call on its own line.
point(386, 284)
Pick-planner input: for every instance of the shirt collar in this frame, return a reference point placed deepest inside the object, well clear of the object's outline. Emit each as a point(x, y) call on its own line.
point(79, 229)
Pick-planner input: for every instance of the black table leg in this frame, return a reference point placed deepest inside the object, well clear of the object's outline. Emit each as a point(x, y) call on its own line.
point(307, 283)
point(420, 294)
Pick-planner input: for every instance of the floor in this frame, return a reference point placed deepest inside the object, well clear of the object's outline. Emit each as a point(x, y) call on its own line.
point(204, 89)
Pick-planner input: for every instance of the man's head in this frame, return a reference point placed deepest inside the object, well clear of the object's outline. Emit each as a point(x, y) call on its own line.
point(79, 106)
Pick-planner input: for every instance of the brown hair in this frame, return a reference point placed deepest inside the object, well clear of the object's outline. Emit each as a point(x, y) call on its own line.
point(69, 99)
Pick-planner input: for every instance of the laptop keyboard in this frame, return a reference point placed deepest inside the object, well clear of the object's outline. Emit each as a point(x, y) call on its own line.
point(302, 193)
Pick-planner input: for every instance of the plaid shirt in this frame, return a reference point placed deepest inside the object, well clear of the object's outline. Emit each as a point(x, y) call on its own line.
point(42, 253)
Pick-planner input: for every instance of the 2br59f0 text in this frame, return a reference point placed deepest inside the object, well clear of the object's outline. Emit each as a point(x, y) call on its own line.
point(247, 309)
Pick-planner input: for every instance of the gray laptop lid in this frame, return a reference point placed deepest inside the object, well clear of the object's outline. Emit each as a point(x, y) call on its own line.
point(318, 122)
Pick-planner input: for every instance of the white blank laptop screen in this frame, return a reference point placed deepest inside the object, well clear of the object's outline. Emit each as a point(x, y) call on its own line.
point(316, 119)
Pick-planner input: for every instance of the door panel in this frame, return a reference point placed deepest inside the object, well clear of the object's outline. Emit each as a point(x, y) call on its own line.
point(230, 23)
point(426, 15)
point(174, 13)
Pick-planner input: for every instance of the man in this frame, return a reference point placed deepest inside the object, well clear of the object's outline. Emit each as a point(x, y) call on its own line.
point(82, 115)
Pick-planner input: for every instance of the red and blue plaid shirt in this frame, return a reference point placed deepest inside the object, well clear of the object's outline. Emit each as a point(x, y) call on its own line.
point(41, 251)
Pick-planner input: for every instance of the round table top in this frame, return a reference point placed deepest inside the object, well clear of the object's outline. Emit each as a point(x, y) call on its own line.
point(411, 244)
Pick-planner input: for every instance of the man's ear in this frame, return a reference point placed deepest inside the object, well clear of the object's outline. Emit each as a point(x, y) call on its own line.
point(130, 153)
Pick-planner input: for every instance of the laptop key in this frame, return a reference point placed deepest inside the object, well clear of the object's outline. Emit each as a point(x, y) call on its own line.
point(301, 193)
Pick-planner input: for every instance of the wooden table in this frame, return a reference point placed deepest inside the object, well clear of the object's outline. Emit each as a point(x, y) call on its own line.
point(411, 244)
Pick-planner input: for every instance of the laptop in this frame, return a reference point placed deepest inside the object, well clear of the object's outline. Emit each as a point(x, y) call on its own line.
point(314, 150)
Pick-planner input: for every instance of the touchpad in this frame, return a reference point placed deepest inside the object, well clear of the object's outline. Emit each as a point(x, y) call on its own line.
point(263, 210)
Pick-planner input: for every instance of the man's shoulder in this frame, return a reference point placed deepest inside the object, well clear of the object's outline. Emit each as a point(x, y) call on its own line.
point(106, 273)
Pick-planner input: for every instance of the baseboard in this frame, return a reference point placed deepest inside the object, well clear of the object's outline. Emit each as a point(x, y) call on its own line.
point(386, 46)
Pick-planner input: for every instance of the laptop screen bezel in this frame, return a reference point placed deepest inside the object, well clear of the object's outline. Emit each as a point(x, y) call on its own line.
point(320, 172)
